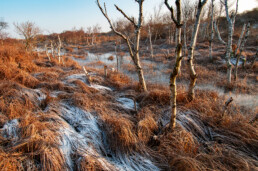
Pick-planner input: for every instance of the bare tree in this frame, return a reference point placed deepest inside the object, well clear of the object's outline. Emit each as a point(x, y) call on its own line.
point(187, 15)
point(212, 29)
point(193, 75)
point(177, 19)
point(242, 45)
point(134, 47)
point(29, 31)
point(219, 8)
point(3, 25)
point(46, 49)
point(176, 70)
point(95, 30)
point(218, 33)
point(89, 33)
point(59, 50)
point(231, 24)
point(150, 35)
point(3, 35)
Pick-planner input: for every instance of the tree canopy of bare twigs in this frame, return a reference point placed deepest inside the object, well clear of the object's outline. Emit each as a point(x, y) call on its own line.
point(28, 30)
point(3, 25)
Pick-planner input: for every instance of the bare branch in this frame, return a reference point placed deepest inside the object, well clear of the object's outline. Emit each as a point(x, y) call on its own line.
point(113, 28)
point(128, 18)
point(172, 12)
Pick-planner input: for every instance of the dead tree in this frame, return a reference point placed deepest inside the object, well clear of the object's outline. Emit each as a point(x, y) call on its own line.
point(242, 45)
point(212, 29)
point(193, 75)
point(134, 47)
point(231, 24)
point(176, 70)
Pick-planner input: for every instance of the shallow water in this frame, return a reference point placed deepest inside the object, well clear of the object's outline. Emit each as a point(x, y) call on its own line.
point(155, 75)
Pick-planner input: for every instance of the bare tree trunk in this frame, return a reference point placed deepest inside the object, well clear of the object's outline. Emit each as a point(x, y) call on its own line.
point(185, 41)
point(46, 49)
point(193, 75)
point(52, 50)
point(231, 23)
point(240, 40)
point(228, 52)
point(136, 56)
point(242, 48)
point(218, 33)
point(59, 50)
point(212, 29)
point(140, 73)
point(173, 88)
point(151, 48)
point(176, 70)
point(116, 57)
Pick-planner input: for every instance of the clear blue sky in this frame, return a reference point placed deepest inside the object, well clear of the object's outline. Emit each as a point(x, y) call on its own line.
point(59, 15)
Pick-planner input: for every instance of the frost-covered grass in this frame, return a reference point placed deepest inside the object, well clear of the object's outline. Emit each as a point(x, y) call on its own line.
point(51, 118)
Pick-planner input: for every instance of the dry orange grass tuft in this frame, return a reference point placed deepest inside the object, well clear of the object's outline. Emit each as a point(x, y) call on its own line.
point(111, 58)
point(159, 97)
point(12, 103)
point(146, 128)
point(120, 133)
point(118, 80)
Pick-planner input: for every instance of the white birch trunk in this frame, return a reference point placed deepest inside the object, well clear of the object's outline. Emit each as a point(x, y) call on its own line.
point(231, 23)
point(46, 49)
point(173, 88)
point(59, 50)
point(193, 75)
point(151, 48)
point(212, 29)
point(185, 41)
point(240, 40)
point(52, 50)
point(218, 33)
point(241, 49)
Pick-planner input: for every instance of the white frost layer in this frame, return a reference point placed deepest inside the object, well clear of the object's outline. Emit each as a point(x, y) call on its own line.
point(10, 129)
point(34, 95)
point(81, 135)
point(80, 77)
point(126, 103)
point(83, 78)
point(76, 76)
point(100, 87)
